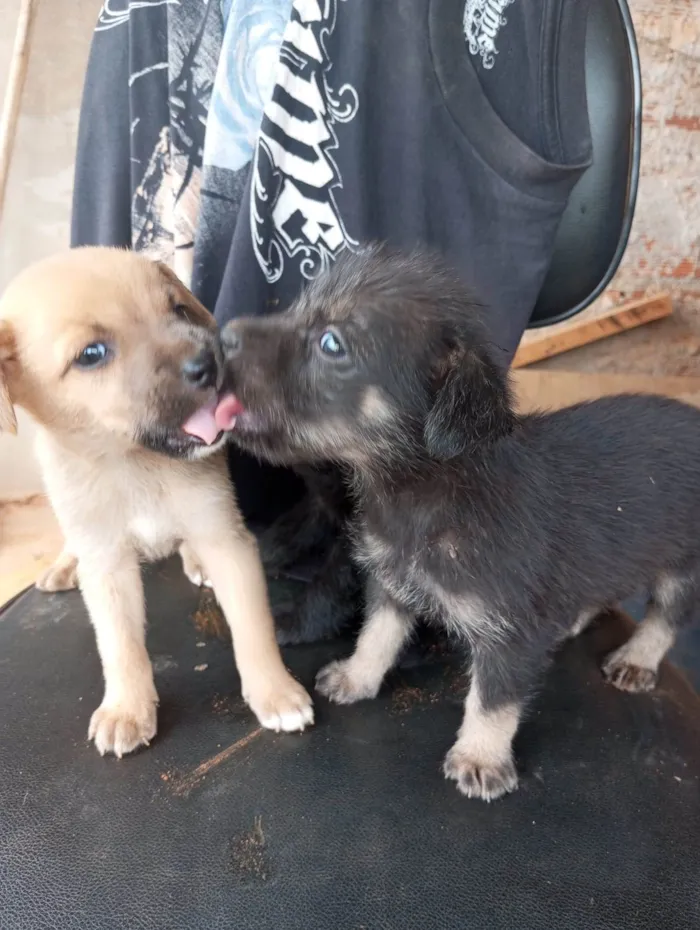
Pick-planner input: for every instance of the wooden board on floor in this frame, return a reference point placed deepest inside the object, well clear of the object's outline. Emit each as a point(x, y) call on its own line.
point(537, 345)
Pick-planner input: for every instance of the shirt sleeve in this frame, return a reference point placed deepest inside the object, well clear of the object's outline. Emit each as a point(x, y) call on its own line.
point(102, 183)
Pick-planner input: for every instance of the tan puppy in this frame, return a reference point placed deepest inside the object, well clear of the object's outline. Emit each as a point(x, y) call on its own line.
point(120, 365)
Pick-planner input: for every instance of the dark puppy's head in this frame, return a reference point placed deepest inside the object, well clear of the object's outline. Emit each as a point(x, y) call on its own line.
point(109, 350)
point(384, 357)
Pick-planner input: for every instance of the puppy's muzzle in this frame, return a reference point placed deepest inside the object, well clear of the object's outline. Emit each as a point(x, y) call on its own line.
point(252, 347)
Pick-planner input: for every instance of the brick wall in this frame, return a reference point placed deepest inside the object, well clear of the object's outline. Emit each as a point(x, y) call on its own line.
point(664, 248)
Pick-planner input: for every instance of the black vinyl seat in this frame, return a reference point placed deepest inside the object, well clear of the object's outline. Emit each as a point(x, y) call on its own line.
point(350, 826)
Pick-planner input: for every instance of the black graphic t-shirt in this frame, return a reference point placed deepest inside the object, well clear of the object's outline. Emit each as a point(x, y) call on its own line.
point(248, 143)
point(394, 122)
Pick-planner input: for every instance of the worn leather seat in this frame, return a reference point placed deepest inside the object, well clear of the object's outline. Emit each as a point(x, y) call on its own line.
point(351, 825)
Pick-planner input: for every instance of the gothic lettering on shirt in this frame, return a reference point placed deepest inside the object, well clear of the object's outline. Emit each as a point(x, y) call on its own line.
point(294, 213)
point(483, 21)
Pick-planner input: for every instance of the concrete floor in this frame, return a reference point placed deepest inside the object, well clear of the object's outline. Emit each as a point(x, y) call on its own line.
point(35, 220)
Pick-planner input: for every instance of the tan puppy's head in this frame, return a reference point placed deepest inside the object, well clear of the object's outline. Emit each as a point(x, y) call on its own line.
point(108, 350)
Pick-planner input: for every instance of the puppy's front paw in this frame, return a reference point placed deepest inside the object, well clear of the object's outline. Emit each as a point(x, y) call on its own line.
point(339, 682)
point(61, 576)
point(192, 569)
point(121, 728)
point(626, 676)
point(479, 778)
point(287, 706)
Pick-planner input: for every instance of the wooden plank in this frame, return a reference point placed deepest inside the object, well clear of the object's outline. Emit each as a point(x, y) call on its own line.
point(13, 92)
point(571, 335)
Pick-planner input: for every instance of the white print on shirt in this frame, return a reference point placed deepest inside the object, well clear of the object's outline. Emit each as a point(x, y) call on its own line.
point(483, 20)
point(293, 211)
point(117, 12)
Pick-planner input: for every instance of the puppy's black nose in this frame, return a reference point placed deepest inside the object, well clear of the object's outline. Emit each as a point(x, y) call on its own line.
point(201, 370)
point(231, 339)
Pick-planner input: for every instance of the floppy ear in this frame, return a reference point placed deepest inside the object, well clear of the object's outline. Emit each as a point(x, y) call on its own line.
point(195, 309)
point(472, 405)
point(168, 274)
point(8, 420)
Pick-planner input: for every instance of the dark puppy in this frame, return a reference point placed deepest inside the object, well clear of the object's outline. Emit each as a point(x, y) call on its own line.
point(511, 530)
point(311, 542)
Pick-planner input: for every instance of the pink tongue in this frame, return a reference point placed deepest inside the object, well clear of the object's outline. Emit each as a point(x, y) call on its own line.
point(228, 409)
point(202, 424)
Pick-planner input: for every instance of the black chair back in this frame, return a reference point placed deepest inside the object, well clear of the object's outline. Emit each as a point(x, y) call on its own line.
point(595, 227)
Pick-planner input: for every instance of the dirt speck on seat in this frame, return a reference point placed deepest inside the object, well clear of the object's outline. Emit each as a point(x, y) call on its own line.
point(224, 705)
point(248, 855)
point(406, 698)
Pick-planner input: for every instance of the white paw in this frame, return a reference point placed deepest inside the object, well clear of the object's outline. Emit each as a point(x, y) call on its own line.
point(120, 729)
point(480, 778)
point(198, 579)
point(287, 707)
point(338, 682)
point(192, 569)
point(61, 576)
point(626, 675)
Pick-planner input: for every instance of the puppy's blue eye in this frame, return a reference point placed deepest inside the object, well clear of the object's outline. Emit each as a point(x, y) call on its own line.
point(331, 345)
point(92, 355)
